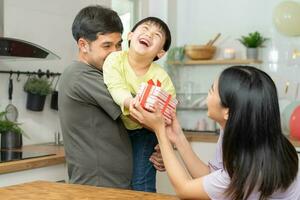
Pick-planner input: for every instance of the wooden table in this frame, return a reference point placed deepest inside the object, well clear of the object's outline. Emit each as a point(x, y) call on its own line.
point(61, 191)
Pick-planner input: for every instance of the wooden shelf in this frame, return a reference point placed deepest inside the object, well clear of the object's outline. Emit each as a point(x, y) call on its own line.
point(32, 163)
point(191, 108)
point(216, 62)
point(200, 136)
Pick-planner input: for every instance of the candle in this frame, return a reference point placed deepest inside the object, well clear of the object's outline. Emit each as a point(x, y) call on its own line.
point(229, 53)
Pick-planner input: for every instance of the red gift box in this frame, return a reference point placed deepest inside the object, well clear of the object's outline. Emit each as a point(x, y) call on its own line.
point(149, 93)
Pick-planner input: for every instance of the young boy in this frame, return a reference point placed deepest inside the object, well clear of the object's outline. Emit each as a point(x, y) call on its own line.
point(124, 71)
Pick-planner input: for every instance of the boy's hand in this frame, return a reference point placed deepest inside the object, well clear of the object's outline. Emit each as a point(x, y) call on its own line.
point(128, 101)
point(134, 118)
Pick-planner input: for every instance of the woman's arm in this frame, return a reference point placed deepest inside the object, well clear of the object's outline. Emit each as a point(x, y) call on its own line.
point(184, 186)
point(194, 165)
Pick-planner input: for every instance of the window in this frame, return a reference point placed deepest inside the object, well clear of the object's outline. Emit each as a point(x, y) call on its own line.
point(127, 10)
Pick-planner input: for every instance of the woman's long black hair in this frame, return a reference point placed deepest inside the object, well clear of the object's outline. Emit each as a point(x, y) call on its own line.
point(256, 154)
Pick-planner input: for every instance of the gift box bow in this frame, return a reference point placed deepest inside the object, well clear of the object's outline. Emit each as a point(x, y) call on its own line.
point(151, 92)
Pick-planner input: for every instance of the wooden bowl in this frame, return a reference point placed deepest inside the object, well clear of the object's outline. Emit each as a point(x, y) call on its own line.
point(200, 52)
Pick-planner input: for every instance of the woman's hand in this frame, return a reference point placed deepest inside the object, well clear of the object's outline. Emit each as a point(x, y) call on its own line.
point(174, 130)
point(153, 119)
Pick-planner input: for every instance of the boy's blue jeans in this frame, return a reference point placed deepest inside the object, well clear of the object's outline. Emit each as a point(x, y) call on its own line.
point(144, 174)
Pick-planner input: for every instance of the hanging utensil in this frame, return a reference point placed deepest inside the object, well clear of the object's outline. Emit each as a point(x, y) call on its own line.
point(54, 96)
point(11, 110)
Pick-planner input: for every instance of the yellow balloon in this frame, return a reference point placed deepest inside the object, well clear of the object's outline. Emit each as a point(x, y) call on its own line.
point(286, 17)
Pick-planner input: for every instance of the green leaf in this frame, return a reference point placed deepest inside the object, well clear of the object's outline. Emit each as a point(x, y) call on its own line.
point(37, 85)
point(9, 126)
point(176, 54)
point(253, 40)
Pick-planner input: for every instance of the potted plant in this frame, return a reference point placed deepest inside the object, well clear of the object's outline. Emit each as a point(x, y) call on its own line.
point(11, 133)
point(37, 89)
point(176, 54)
point(252, 42)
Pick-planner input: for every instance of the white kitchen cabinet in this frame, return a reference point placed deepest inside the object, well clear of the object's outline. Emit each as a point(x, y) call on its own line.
point(50, 173)
point(205, 152)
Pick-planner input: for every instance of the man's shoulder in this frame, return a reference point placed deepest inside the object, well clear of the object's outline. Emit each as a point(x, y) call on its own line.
point(73, 67)
point(76, 64)
point(78, 73)
point(77, 68)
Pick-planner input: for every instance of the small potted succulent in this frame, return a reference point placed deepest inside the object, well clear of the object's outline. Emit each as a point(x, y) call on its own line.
point(11, 133)
point(37, 89)
point(252, 42)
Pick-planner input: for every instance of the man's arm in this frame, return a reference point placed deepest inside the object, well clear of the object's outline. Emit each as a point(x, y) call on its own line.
point(157, 160)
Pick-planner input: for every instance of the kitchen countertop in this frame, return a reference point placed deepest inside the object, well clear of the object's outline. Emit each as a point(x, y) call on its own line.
point(32, 163)
point(60, 191)
point(194, 136)
point(213, 138)
point(59, 157)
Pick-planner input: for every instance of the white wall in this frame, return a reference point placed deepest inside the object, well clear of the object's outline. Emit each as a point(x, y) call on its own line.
point(1, 17)
point(51, 173)
point(199, 21)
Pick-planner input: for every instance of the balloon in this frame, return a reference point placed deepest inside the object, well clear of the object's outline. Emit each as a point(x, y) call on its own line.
point(295, 124)
point(286, 115)
point(286, 17)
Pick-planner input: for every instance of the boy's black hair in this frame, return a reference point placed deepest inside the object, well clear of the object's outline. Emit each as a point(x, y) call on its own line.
point(161, 24)
point(94, 20)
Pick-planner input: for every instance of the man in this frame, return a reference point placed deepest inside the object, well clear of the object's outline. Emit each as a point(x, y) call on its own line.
point(98, 150)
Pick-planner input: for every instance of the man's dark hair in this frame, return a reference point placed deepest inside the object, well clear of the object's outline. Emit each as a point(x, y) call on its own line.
point(94, 20)
point(162, 25)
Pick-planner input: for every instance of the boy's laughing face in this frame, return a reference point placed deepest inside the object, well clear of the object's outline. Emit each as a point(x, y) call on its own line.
point(148, 40)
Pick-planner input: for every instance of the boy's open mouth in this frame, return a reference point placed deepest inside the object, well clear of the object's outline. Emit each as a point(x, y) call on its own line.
point(144, 42)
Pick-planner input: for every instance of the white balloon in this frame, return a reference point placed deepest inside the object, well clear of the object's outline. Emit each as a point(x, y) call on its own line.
point(286, 17)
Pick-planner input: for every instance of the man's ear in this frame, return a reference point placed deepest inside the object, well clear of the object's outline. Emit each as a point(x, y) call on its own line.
point(161, 53)
point(82, 44)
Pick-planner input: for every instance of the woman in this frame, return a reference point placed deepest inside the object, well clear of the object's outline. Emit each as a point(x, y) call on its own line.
point(257, 161)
